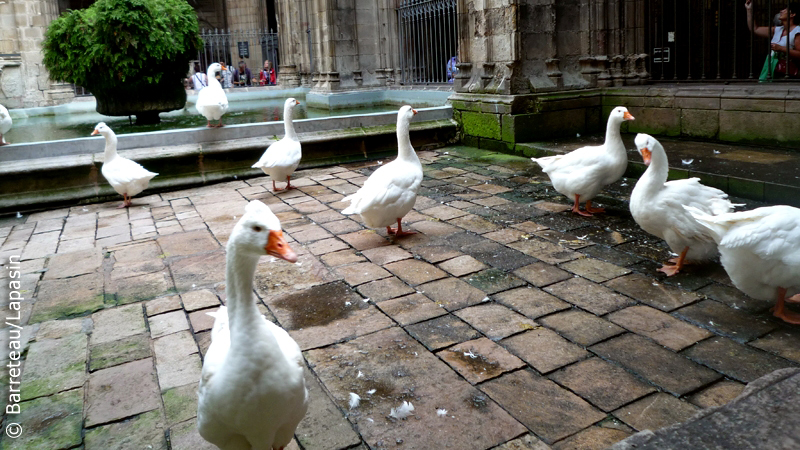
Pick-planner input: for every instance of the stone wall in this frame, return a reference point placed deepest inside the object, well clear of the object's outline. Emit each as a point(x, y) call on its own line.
point(353, 43)
point(24, 81)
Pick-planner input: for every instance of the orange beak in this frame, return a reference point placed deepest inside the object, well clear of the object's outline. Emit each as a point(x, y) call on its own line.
point(627, 116)
point(414, 111)
point(296, 102)
point(223, 66)
point(646, 154)
point(277, 247)
point(95, 132)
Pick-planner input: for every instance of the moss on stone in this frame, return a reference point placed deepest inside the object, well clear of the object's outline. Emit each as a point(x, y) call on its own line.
point(180, 403)
point(117, 352)
point(484, 125)
point(49, 422)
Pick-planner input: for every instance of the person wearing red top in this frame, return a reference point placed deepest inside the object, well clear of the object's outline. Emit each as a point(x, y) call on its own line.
point(267, 75)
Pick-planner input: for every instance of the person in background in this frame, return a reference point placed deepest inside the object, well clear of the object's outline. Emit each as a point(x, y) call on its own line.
point(788, 32)
point(267, 74)
point(199, 79)
point(242, 76)
point(451, 69)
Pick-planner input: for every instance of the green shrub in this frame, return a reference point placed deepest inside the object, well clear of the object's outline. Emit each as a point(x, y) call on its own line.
point(122, 44)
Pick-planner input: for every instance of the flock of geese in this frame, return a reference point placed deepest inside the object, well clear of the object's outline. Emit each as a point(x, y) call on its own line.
point(252, 392)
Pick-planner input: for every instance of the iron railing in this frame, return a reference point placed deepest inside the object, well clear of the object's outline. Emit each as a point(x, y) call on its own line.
point(428, 35)
point(708, 40)
point(231, 46)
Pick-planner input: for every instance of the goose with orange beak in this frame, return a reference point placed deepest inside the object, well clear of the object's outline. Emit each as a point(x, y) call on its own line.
point(583, 173)
point(657, 206)
point(252, 391)
point(391, 191)
point(212, 102)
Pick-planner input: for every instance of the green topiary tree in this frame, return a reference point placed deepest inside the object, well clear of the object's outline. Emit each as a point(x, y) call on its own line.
point(131, 54)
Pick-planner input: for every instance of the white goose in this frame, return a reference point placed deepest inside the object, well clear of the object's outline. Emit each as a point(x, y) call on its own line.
point(5, 124)
point(252, 392)
point(212, 102)
point(582, 173)
point(656, 205)
point(282, 158)
point(127, 177)
point(760, 250)
point(390, 192)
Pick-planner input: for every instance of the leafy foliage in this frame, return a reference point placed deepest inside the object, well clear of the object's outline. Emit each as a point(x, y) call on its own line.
point(125, 44)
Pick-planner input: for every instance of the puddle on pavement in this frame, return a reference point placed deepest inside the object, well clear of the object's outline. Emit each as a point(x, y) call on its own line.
point(321, 305)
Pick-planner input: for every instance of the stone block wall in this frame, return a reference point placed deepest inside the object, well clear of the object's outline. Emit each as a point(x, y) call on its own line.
point(24, 81)
point(747, 114)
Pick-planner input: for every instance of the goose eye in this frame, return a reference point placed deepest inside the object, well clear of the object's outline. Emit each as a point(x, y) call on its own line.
point(257, 229)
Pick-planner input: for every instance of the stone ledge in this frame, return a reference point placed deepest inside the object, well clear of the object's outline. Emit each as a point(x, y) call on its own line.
point(35, 183)
point(765, 415)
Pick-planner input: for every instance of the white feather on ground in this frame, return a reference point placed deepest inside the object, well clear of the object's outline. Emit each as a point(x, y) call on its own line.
point(402, 411)
point(355, 400)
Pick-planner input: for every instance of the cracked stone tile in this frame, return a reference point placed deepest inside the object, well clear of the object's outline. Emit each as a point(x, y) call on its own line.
point(603, 384)
point(411, 309)
point(594, 269)
point(495, 321)
point(595, 298)
point(167, 323)
point(531, 302)
point(415, 272)
point(581, 327)
point(656, 411)
point(400, 370)
point(199, 299)
point(452, 293)
point(492, 281)
point(737, 325)
point(121, 391)
point(674, 373)
point(386, 255)
point(162, 305)
point(360, 273)
point(177, 360)
point(143, 431)
point(384, 289)
point(117, 323)
point(544, 349)
point(740, 362)
point(480, 360)
point(558, 413)
point(462, 265)
point(49, 422)
point(659, 326)
point(651, 292)
point(341, 258)
point(781, 342)
point(54, 365)
point(717, 394)
point(442, 332)
point(75, 263)
point(119, 351)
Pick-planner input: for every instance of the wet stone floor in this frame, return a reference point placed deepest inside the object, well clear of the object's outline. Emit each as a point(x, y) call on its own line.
point(506, 321)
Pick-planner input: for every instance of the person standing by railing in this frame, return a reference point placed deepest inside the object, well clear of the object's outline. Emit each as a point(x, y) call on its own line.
point(267, 75)
point(788, 32)
point(199, 79)
point(242, 77)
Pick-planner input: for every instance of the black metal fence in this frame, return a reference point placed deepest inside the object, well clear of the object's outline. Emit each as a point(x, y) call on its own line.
point(707, 40)
point(231, 46)
point(428, 34)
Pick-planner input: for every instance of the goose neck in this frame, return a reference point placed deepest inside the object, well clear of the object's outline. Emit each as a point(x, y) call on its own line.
point(657, 172)
point(404, 148)
point(243, 314)
point(613, 133)
point(111, 146)
point(212, 79)
point(288, 125)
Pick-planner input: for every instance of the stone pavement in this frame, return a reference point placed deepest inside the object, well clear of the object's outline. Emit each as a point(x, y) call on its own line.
point(506, 321)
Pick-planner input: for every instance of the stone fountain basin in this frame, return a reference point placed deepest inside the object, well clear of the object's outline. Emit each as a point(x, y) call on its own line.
point(44, 174)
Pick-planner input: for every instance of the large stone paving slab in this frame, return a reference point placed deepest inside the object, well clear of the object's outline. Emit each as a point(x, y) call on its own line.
point(672, 372)
point(59, 299)
point(326, 314)
point(399, 369)
point(550, 411)
point(54, 365)
point(52, 422)
point(144, 431)
point(122, 391)
point(737, 361)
